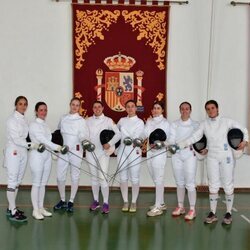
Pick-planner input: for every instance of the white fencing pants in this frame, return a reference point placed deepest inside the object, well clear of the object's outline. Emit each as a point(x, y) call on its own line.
point(221, 172)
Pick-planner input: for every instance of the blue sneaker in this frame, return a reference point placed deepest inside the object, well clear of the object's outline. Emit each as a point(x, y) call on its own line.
point(70, 207)
point(95, 205)
point(60, 205)
point(105, 208)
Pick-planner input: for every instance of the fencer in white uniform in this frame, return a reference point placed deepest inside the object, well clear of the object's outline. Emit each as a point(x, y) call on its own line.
point(99, 159)
point(129, 157)
point(74, 130)
point(220, 160)
point(156, 158)
point(16, 155)
point(184, 161)
point(40, 162)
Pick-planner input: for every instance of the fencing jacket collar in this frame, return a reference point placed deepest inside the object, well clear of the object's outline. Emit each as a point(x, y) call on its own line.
point(158, 118)
point(39, 120)
point(132, 117)
point(98, 117)
point(18, 115)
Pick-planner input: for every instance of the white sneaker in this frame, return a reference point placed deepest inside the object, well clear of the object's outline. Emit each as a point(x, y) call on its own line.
point(178, 211)
point(163, 207)
point(154, 212)
point(37, 215)
point(45, 213)
point(191, 215)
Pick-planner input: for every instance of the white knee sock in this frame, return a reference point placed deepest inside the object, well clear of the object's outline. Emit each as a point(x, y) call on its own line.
point(180, 196)
point(162, 198)
point(159, 193)
point(213, 202)
point(61, 188)
point(105, 194)
point(95, 191)
point(41, 197)
point(74, 188)
point(135, 192)
point(192, 199)
point(35, 196)
point(16, 192)
point(11, 199)
point(124, 191)
point(229, 202)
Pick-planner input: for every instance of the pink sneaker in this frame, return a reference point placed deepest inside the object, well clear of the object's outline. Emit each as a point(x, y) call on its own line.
point(178, 211)
point(191, 215)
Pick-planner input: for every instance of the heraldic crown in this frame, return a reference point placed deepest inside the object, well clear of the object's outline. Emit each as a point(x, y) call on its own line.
point(119, 62)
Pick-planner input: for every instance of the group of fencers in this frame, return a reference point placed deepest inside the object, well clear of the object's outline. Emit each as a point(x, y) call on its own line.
point(220, 140)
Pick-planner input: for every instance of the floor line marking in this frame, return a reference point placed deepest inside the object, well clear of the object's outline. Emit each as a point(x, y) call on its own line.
point(245, 218)
point(233, 208)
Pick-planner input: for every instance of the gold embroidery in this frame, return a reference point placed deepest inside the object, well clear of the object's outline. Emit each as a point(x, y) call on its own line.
point(82, 111)
point(151, 26)
point(159, 97)
point(89, 26)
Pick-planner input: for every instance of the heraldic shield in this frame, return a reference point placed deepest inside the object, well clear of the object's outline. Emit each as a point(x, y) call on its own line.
point(119, 88)
point(120, 82)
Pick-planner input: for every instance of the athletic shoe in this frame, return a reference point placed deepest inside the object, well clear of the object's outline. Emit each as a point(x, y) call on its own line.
point(178, 211)
point(45, 213)
point(37, 215)
point(132, 208)
point(18, 217)
point(125, 207)
point(227, 220)
point(70, 207)
point(211, 218)
point(105, 208)
point(163, 207)
point(95, 205)
point(8, 211)
point(191, 215)
point(154, 212)
point(60, 205)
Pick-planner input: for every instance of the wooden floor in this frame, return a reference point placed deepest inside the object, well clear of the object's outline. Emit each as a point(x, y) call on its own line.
point(120, 231)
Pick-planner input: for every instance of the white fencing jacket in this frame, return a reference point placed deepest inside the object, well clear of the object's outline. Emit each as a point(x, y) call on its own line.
point(132, 127)
point(216, 130)
point(17, 131)
point(96, 124)
point(73, 129)
point(181, 130)
point(155, 123)
point(40, 133)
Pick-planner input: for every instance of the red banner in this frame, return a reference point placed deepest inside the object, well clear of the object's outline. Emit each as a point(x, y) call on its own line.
point(119, 53)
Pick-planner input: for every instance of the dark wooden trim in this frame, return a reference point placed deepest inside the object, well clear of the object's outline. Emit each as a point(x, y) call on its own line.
point(234, 3)
point(200, 189)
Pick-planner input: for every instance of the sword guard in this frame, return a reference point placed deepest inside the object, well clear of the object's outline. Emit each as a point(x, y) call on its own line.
point(85, 144)
point(91, 147)
point(173, 148)
point(41, 148)
point(159, 144)
point(64, 150)
point(127, 141)
point(138, 142)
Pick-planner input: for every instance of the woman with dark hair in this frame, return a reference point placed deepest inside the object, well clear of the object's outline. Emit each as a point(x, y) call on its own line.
point(74, 130)
point(184, 161)
point(129, 156)
point(16, 155)
point(157, 128)
point(220, 159)
point(40, 162)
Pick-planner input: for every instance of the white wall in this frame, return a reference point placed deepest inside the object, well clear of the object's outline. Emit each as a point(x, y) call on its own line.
point(36, 61)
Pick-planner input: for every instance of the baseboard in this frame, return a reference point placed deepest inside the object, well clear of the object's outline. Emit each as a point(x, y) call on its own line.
point(200, 188)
